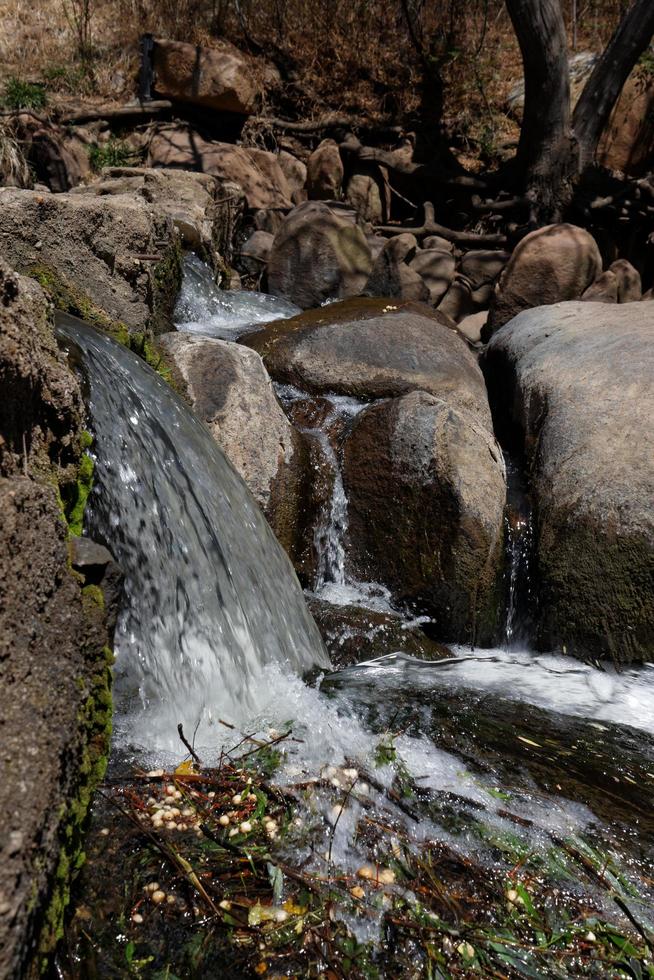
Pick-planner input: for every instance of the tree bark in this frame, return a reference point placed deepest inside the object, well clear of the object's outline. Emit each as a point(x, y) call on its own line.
point(545, 133)
point(603, 88)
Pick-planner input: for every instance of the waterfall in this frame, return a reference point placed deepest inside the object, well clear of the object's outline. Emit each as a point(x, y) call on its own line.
point(519, 545)
point(211, 598)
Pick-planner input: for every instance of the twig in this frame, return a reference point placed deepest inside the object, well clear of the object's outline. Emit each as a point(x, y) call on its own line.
point(194, 755)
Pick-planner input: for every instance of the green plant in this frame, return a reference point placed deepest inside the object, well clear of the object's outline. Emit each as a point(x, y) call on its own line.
point(113, 153)
point(23, 95)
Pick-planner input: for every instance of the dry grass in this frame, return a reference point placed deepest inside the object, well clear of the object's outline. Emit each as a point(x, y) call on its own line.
point(349, 55)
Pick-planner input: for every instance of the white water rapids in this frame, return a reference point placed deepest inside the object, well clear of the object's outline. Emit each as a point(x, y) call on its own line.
point(215, 627)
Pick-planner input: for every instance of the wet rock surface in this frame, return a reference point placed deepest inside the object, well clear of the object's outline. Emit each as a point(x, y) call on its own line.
point(230, 390)
point(426, 490)
point(374, 348)
point(54, 693)
point(575, 382)
point(355, 633)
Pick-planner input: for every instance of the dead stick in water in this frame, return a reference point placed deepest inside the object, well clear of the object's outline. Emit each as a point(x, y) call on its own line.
point(194, 755)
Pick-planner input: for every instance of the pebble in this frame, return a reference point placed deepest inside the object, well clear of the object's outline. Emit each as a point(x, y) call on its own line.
point(386, 876)
point(224, 820)
point(357, 892)
point(152, 886)
point(591, 937)
point(225, 905)
point(155, 773)
point(233, 832)
point(158, 897)
point(137, 918)
point(245, 827)
point(105, 831)
point(236, 799)
point(170, 789)
point(366, 871)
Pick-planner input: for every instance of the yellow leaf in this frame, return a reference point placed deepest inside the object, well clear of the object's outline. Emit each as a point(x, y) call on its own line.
point(185, 768)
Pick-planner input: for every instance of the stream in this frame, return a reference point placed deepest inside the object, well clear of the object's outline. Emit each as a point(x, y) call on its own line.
point(499, 755)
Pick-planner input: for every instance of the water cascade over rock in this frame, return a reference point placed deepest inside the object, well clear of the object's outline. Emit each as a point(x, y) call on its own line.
point(210, 596)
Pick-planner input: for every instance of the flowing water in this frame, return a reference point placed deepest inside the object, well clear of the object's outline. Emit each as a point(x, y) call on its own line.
point(204, 308)
point(210, 595)
point(215, 626)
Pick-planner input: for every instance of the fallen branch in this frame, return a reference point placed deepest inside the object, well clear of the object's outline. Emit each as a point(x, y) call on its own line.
point(431, 227)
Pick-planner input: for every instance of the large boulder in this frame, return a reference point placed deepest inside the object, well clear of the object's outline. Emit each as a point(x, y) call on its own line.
point(576, 381)
point(231, 392)
point(372, 348)
point(318, 253)
point(426, 491)
point(55, 706)
point(549, 265)
point(257, 172)
point(200, 206)
point(110, 260)
point(627, 143)
point(219, 78)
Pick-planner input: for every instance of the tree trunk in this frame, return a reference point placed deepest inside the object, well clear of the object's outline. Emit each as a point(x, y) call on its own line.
point(630, 40)
point(546, 157)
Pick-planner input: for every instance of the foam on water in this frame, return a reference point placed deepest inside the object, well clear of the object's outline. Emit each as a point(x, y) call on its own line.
point(202, 307)
point(548, 681)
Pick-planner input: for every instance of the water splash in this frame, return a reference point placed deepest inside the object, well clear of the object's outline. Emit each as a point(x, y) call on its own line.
point(210, 596)
point(202, 307)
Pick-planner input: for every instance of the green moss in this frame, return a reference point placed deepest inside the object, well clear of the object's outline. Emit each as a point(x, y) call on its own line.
point(82, 489)
point(94, 722)
point(93, 594)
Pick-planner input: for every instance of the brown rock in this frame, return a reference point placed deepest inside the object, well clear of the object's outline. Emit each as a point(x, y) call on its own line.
point(230, 390)
point(630, 288)
point(481, 269)
point(457, 303)
point(373, 348)
point(367, 193)
point(576, 379)
point(354, 633)
point(628, 141)
point(318, 253)
point(549, 265)
point(194, 202)
point(325, 172)
point(391, 274)
point(426, 490)
point(219, 78)
point(108, 259)
point(256, 171)
point(436, 268)
point(255, 252)
point(54, 696)
point(471, 326)
point(296, 175)
point(603, 290)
